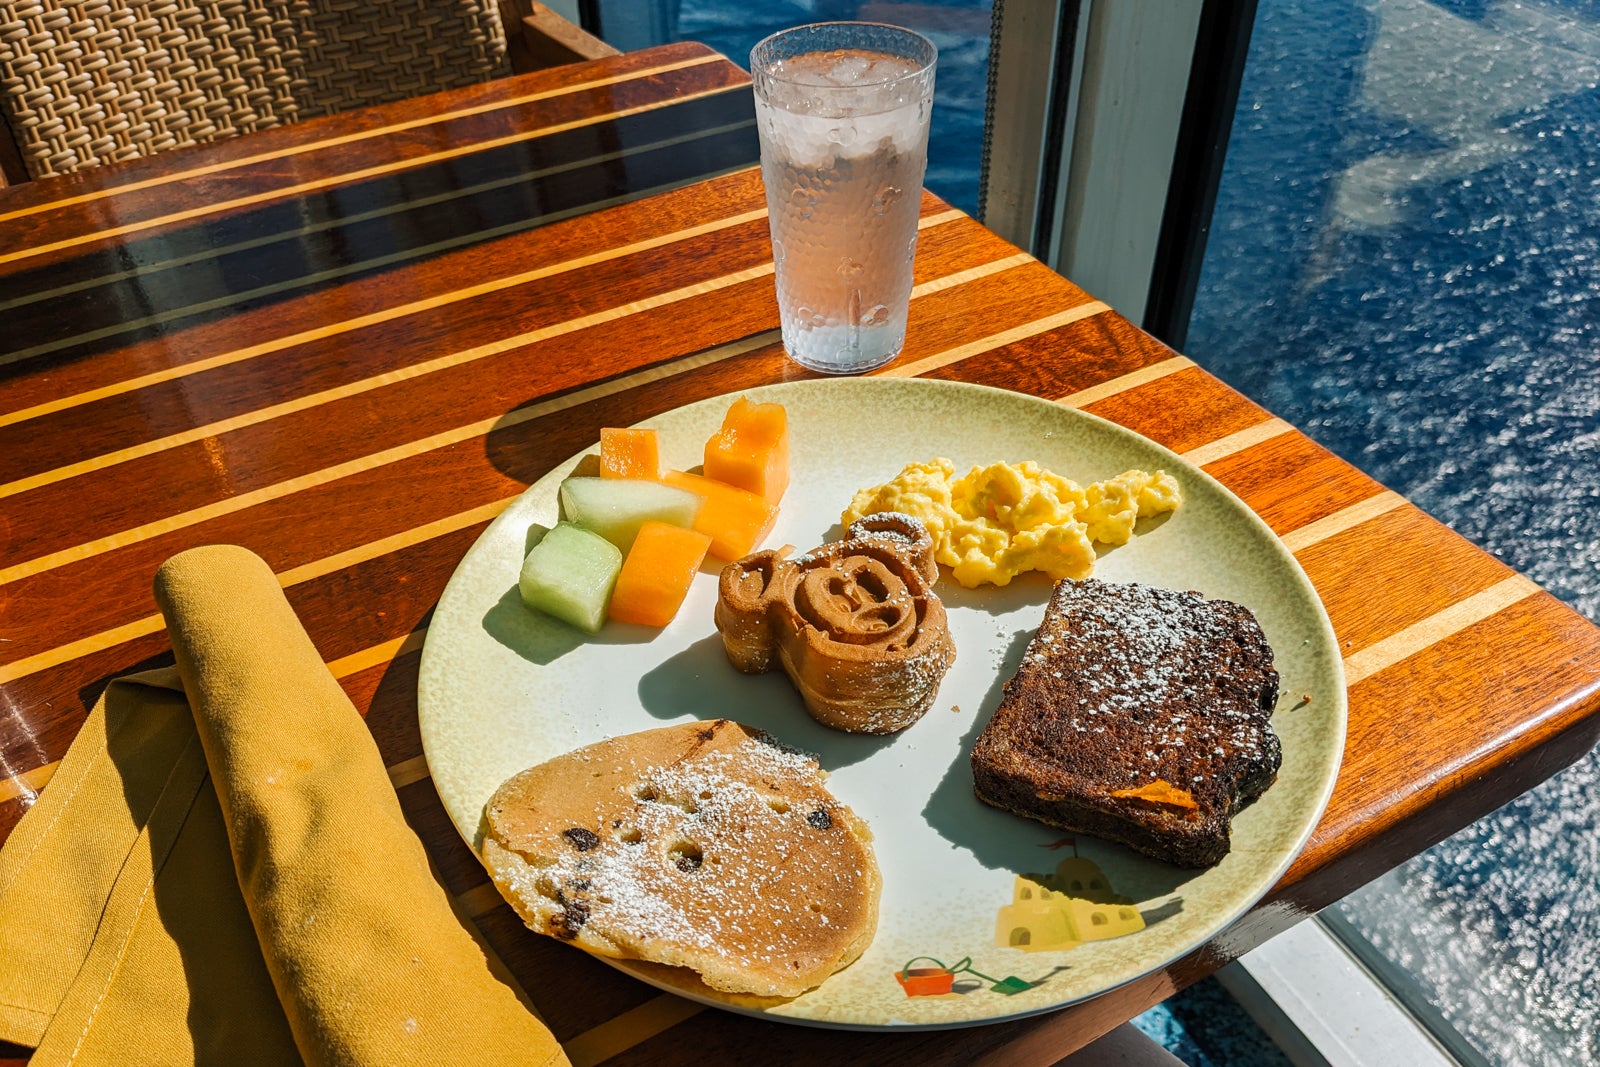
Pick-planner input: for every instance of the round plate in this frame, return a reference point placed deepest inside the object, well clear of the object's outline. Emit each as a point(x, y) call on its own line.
point(503, 688)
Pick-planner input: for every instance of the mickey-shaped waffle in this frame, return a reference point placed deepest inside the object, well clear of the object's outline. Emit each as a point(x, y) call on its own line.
point(855, 624)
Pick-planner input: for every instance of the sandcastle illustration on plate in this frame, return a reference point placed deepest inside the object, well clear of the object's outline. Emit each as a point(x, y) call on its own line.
point(1064, 909)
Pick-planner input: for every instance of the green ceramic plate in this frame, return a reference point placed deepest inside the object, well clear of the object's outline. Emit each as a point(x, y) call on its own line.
point(502, 689)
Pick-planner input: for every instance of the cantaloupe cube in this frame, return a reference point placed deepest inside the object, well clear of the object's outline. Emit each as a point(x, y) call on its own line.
point(657, 573)
point(735, 519)
point(751, 450)
point(628, 453)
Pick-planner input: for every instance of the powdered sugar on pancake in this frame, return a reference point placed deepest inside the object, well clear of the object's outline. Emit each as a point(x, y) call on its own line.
point(732, 859)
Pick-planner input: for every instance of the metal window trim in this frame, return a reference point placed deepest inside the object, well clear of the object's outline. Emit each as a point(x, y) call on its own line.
point(1323, 1007)
point(1134, 80)
point(1222, 44)
point(1028, 122)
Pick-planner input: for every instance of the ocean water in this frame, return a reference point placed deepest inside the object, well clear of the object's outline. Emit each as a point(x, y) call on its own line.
point(958, 28)
point(1405, 262)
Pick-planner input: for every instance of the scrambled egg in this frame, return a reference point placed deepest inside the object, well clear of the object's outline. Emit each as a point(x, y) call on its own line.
point(995, 522)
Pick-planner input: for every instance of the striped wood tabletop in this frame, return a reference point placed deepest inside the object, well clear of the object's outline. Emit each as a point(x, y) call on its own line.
point(349, 344)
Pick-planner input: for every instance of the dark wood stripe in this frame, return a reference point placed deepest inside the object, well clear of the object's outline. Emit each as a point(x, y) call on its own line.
point(309, 243)
point(1182, 410)
point(1414, 544)
point(1291, 481)
point(437, 283)
point(1065, 360)
point(322, 151)
point(1392, 772)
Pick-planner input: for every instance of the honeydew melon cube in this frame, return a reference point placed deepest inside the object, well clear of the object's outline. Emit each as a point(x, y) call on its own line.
point(615, 508)
point(569, 574)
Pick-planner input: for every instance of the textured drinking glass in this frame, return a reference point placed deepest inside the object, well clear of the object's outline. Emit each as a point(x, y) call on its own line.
point(842, 109)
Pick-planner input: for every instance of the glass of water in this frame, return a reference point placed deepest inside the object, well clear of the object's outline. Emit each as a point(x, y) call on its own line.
point(842, 109)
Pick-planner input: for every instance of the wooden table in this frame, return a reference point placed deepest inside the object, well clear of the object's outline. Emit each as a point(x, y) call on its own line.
point(348, 344)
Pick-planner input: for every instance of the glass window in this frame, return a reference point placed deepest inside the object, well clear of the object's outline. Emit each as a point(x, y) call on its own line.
point(1404, 261)
point(959, 28)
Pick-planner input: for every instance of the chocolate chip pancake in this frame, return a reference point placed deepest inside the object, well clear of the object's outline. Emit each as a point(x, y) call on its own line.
point(704, 845)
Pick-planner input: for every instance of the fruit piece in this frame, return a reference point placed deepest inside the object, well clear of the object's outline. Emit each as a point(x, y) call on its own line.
point(569, 574)
point(656, 575)
point(735, 519)
point(628, 453)
point(1161, 792)
point(615, 508)
point(751, 450)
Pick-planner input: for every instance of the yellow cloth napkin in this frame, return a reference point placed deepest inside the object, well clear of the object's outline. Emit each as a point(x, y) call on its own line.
point(219, 871)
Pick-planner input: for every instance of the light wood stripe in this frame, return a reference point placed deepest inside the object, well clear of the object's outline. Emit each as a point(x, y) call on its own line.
point(1249, 437)
point(315, 569)
point(28, 783)
point(632, 1027)
point(348, 177)
point(1342, 520)
point(1122, 383)
point(377, 654)
point(375, 318)
point(153, 265)
point(408, 771)
point(393, 543)
point(480, 900)
point(1436, 627)
point(993, 341)
point(351, 138)
point(21, 668)
point(971, 274)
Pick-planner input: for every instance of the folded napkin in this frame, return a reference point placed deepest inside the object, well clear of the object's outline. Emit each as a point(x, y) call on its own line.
point(219, 870)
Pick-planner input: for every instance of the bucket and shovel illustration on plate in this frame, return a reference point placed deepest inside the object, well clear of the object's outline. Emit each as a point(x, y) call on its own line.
point(938, 979)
